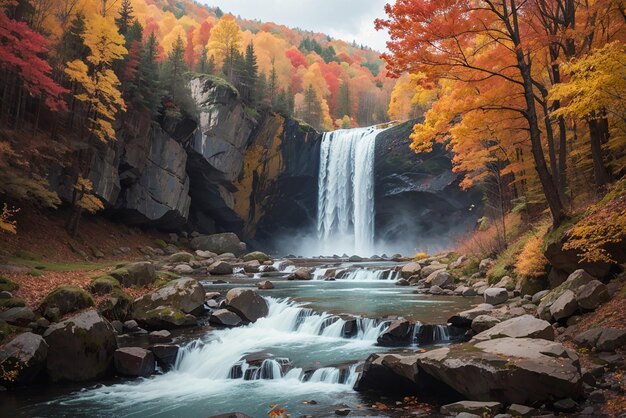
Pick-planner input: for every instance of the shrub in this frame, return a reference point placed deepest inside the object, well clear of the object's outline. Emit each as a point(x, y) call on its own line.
point(531, 262)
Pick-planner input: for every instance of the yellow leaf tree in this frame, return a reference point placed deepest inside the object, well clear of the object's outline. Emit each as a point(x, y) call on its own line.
point(99, 86)
point(225, 41)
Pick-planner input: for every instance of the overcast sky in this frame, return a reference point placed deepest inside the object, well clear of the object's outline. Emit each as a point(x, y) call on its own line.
point(343, 19)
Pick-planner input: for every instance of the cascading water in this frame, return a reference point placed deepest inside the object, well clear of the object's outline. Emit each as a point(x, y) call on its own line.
point(345, 209)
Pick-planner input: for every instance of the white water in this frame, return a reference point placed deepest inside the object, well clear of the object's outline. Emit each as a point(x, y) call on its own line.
point(345, 210)
point(358, 274)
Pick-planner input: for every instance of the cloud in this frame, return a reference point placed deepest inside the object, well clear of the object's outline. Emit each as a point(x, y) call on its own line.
point(350, 20)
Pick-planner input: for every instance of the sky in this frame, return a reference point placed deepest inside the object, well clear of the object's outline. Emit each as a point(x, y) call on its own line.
point(350, 20)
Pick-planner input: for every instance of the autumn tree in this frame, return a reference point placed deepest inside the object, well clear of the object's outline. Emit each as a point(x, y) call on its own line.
point(125, 18)
point(224, 43)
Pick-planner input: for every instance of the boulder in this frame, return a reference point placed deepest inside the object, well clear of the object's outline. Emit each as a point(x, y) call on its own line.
point(265, 285)
point(506, 370)
point(398, 333)
point(226, 318)
point(402, 282)
point(162, 336)
point(485, 265)
point(439, 278)
point(20, 316)
point(564, 306)
point(602, 339)
point(592, 295)
point(66, 299)
point(134, 361)
point(472, 407)
point(431, 268)
point(303, 273)
point(525, 326)
point(205, 254)
point(435, 290)
point(410, 269)
point(483, 323)
point(246, 303)
point(227, 242)
point(251, 266)
point(469, 292)
point(220, 268)
point(496, 295)
point(506, 282)
point(575, 280)
point(183, 269)
point(103, 285)
point(181, 257)
point(464, 319)
point(389, 373)
point(256, 255)
point(165, 355)
point(117, 306)
point(80, 348)
point(538, 296)
point(135, 274)
point(517, 410)
point(23, 359)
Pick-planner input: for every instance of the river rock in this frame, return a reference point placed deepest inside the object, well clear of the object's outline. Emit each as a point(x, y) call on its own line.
point(256, 255)
point(205, 254)
point(439, 278)
point(507, 370)
point(435, 290)
point(162, 336)
point(226, 318)
point(183, 269)
point(165, 355)
point(483, 323)
point(565, 306)
point(402, 282)
point(525, 326)
point(265, 285)
point(469, 292)
point(20, 316)
point(22, 359)
point(472, 407)
point(134, 361)
point(603, 339)
point(135, 274)
point(231, 415)
point(220, 268)
point(517, 410)
point(398, 333)
point(410, 269)
point(464, 319)
point(389, 373)
point(592, 295)
point(80, 348)
point(431, 268)
point(227, 242)
point(303, 273)
point(496, 295)
point(180, 257)
point(246, 303)
point(538, 296)
point(117, 306)
point(66, 299)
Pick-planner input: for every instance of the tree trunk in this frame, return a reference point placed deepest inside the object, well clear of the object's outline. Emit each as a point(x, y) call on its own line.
point(600, 172)
point(552, 196)
point(562, 156)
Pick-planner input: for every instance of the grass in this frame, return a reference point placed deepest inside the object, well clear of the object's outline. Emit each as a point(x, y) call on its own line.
point(38, 265)
point(505, 262)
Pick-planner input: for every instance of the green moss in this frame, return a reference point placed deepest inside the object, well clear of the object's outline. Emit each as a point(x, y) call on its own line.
point(181, 257)
point(8, 285)
point(35, 273)
point(159, 243)
point(67, 299)
point(555, 235)
point(58, 267)
point(164, 277)
point(505, 262)
point(104, 284)
point(470, 267)
point(217, 81)
point(252, 113)
point(12, 303)
point(26, 255)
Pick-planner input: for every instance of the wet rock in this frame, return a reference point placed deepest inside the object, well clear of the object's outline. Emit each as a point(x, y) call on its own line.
point(402, 282)
point(525, 326)
point(224, 317)
point(66, 299)
point(592, 295)
point(472, 407)
point(435, 290)
point(134, 361)
point(603, 339)
point(23, 359)
point(303, 273)
point(18, 316)
point(510, 370)
point(218, 243)
point(162, 336)
point(135, 274)
point(389, 373)
point(439, 278)
point(265, 285)
point(496, 295)
point(252, 266)
point(410, 269)
point(247, 303)
point(483, 322)
point(564, 306)
point(398, 333)
point(165, 355)
point(80, 348)
point(131, 326)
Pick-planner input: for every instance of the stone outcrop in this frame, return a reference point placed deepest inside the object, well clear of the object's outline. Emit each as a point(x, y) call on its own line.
point(23, 359)
point(134, 361)
point(525, 326)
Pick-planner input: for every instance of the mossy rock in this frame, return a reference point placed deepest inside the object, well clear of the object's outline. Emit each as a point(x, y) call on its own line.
point(117, 307)
point(164, 317)
point(12, 303)
point(103, 285)
point(256, 255)
point(7, 329)
point(181, 257)
point(8, 285)
point(164, 277)
point(67, 299)
point(26, 255)
point(530, 286)
point(135, 274)
point(159, 243)
point(35, 273)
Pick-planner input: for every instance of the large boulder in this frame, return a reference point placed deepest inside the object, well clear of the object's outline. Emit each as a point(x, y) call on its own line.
point(575, 280)
point(507, 370)
point(602, 339)
point(484, 322)
point(431, 268)
point(226, 318)
point(256, 255)
point(220, 268)
point(389, 373)
point(464, 319)
point(398, 333)
point(496, 295)
point(592, 295)
point(227, 242)
point(565, 306)
point(165, 355)
point(134, 361)
point(303, 273)
point(22, 359)
point(117, 306)
point(103, 285)
point(439, 278)
point(246, 303)
point(80, 348)
point(410, 269)
point(20, 316)
point(66, 299)
point(525, 326)
point(135, 274)
point(167, 307)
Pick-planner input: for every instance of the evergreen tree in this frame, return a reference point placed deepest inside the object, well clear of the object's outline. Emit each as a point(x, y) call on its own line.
point(271, 85)
point(219, 13)
point(261, 90)
point(174, 76)
point(71, 46)
point(249, 78)
point(312, 111)
point(135, 33)
point(282, 103)
point(149, 75)
point(126, 18)
point(344, 103)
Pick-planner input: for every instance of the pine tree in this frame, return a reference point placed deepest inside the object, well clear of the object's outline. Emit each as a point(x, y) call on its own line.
point(174, 76)
point(282, 103)
point(71, 46)
point(135, 33)
point(344, 103)
point(126, 18)
point(271, 85)
point(312, 109)
point(261, 90)
point(149, 75)
point(250, 75)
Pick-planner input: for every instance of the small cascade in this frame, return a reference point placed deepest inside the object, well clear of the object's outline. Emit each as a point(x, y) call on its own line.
point(346, 190)
point(416, 329)
point(430, 334)
point(357, 274)
point(441, 334)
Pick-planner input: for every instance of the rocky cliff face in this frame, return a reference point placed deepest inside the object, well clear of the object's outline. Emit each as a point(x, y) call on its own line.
point(418, 195)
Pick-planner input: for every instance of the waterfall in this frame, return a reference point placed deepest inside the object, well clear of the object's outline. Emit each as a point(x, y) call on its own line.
point(345, 209)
